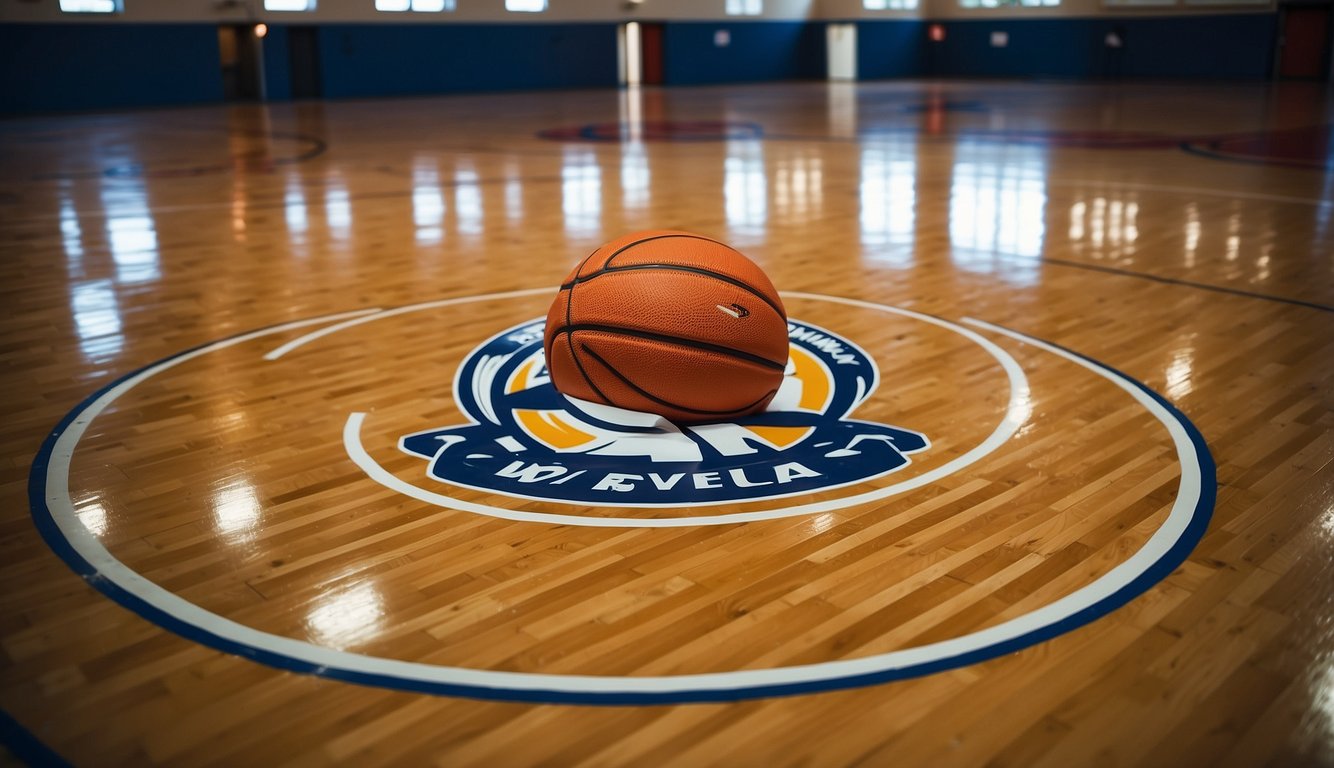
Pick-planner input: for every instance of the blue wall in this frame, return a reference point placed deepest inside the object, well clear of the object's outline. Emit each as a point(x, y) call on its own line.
point(55, 67)
point(1222, 46)
point(892, 48)
point(277, 66)
point(402, 59)
point(758, 50)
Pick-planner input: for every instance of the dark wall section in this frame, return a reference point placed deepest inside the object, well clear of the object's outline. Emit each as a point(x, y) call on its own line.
point(395, 60)
point(1222, 46)
point(277, 65)
point(55, 67)
point(756, 51)
point(891, 49)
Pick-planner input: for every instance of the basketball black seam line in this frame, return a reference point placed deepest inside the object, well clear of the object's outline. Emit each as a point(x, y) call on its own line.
point(686, 235)
point(668, 403)
point(680, 268)
point(569, 307)
point(677, 340)
point(606, 265)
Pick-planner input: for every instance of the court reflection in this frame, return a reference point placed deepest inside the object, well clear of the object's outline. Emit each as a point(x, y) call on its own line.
point(581, 192)
point(337, 208)
point(799, 187)
point(294, 208)
point(131, 232)
point(745, 187)
point(1179, 373)
point(97, 319)
point(467, 200)
point(428, 202)
point(1106, 226)
point(635, 176)
point(513, 193)
point(71, 235)
point(94, 517)
point(346, 617)
point(998, 200)
point(236, 511)
point(888, 194)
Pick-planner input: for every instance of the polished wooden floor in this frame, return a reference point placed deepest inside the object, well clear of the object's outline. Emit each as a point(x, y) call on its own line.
point(1182, 235)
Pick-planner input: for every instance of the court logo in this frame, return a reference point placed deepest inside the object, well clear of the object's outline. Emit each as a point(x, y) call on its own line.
point(529, 441)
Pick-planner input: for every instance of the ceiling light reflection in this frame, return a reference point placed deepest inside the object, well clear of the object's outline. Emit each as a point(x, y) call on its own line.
point(634, 177)
point(347, 616)
point(468, 200)
point(236, 510)
point(998, 199)
point(338, 208)
point(1179, 372)
point(581, 192)
point(428, 202)
point(745, 187)
point(131, 233)
point(888, 196)
point(97, 319)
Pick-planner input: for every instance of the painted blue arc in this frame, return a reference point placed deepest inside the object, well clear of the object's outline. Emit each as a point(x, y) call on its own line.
point(1171, 558)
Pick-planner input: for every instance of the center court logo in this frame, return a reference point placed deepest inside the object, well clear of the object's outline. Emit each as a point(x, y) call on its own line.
point(527, 440)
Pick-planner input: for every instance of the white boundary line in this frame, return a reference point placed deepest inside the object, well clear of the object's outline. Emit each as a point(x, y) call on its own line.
point(1016, 413)
point(341, 663)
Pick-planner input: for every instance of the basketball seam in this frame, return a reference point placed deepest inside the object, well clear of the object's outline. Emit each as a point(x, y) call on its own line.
point(681, 268)
point(677, 340)
point(668, 403)
point(685, 235)
point(569, 307)
point(577, 364)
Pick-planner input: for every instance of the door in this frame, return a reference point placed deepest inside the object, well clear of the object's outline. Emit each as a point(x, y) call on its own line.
point(842, 47)
point(1304, 46)
point(650, 44)
point(239, 55)
point(303, 47)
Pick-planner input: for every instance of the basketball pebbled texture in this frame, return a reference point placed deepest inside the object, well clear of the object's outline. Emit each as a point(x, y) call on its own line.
point(671, 323)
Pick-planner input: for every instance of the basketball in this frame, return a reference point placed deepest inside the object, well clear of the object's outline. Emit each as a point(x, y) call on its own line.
point(671, 323)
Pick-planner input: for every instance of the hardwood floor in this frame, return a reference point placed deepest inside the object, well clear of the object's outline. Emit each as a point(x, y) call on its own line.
point(252, 518)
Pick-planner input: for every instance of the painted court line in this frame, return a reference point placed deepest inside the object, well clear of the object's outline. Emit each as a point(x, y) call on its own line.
point(55, 515)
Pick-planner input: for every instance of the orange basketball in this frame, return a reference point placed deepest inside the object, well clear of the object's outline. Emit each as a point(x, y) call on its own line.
point(671, 323)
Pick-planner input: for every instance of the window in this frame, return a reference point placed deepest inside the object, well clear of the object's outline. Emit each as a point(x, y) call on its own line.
point(744, 7)
point(426, 6)
point(526, 6)
point(889, 5)
point(90, 6)
point(289, 5)
point(1006, 3)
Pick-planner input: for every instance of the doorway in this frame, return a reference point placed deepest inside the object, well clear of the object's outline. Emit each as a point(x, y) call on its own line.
point(241, 57)
point(303, 50)
point(841, 42)
point(1303, 44)
point(641, 53)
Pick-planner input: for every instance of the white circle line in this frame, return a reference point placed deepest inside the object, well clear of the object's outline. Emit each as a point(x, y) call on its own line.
point(1017, 412)
point(327, 660)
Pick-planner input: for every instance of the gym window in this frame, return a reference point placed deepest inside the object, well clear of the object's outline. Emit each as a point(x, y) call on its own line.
point(889, 5)
point(425, 6)
point(90, 6)
point(744, 7)
point(526, 6)
point(289, 5)
point(1007, 3)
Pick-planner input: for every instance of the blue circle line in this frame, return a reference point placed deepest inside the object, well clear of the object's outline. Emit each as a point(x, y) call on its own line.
point(1165, 565)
